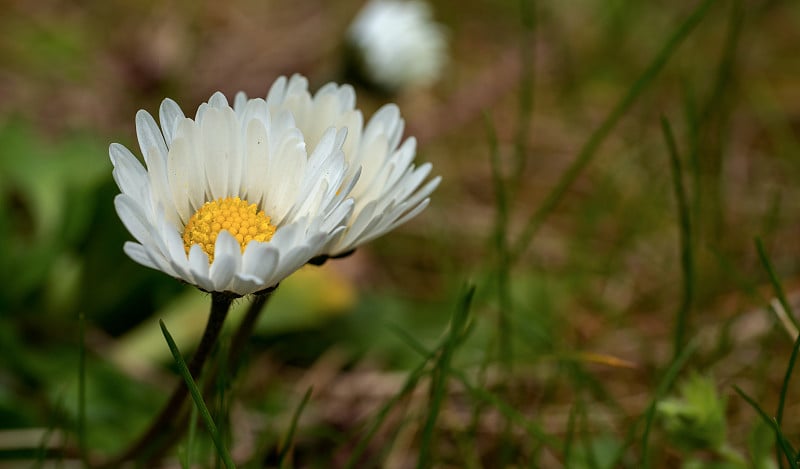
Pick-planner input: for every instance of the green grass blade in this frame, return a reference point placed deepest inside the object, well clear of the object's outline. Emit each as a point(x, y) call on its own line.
point(82, 390)
point(190, 438)
point(440, 375)
point(785, 388)
point(569, 436)
point(687, 262)
point(408, 387)
point(459, 330)
point(584, 435)
point(591, 146)
point(776, 284)
point(288, 442)
point(197, 396)
point(534, 430)
point(786, 379)
point(783, 444)
point(661, 390)
point(527, 14)
point(500, 239)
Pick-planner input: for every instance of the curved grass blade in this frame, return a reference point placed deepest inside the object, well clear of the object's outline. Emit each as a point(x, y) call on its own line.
point(783, 443)
point(440, 375)
point(293, 426)
point(776, 284)
point(687, 262)
point(197, 397)
point(591, 146)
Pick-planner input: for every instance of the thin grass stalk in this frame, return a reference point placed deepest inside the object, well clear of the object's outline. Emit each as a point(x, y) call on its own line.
point(245, 329)
point(408, 387)
point(776, 283)
point(527, 49)
point(163, 431)
point(785, 389)
point(685, 242)
point(712, 123)
point(197, 397)
point(82, 444)
point(289, 440)
point(533, 429)
point(440, 375)
point(569, 436)
point(499, 238)
point(786, 380)
point(784, 444)
point(591, 146)
point(585, 435)
point(503, 185)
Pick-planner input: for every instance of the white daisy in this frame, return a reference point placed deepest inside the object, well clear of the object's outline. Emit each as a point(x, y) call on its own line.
point(232, 200)
point(398, 43)
point(389, 190)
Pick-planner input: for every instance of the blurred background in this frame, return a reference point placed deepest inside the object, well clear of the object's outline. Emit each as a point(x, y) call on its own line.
point(592, 298)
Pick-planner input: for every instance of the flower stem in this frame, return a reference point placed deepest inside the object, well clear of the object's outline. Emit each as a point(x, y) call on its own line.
point(240, 336)
point(245, 329)
point(164, 424)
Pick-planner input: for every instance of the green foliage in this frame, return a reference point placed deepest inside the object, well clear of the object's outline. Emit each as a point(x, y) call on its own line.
point(695, 419)
point(46, 203)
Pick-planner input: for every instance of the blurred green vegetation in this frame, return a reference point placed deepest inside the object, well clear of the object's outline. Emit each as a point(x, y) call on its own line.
point(568, 356)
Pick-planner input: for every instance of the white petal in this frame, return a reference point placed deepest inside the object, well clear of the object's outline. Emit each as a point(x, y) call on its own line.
point(150, 139)
point(176, 252)
point(148, 257)
point(188, 154)
point(130, 213)
point(260, 260)
point(277, 92)
point(218, 101)
point(138, 253)
point(198, 265)
point(243, 284)
point(216, 152)
point(240, 101)
point(129, 174)
point(169, 114)
point(227, 260)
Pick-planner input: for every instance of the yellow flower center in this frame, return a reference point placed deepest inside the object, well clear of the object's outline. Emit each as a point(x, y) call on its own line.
point(241, 219)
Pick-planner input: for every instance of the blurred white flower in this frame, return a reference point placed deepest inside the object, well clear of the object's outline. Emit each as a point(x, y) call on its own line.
point(390, 188)
point(233, 200)
point(398, 44)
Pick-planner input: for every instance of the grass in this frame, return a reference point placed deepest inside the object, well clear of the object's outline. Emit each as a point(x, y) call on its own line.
point(603, 184)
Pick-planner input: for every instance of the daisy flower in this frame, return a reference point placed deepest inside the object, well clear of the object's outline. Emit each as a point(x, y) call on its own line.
point(390, 189)
point(397, 43)
point(235, 199)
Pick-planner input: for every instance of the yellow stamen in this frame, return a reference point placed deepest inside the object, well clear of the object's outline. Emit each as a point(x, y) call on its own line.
point(241, 219)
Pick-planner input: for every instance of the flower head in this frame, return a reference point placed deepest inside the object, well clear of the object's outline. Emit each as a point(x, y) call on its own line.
point(398, 44)
point(390, 189)
point(233, 200)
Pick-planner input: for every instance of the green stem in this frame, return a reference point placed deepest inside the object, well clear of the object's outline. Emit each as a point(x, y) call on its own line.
point(245, 329)
point(591, 146)
point(238, 341)
point(197, 398)
point(163, 427)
